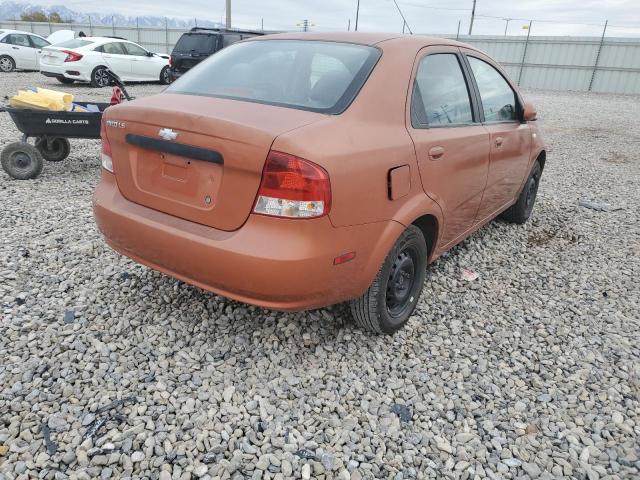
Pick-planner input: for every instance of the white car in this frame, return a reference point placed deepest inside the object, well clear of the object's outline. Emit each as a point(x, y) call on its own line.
point(20, 50)
point(85, 59)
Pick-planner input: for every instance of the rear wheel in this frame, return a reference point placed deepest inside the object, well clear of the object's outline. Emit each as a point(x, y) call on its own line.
point(393, 295)
point(65, 80)
point(54, 150)
point(7, 64)
point(100, 78)
point(21, 161)
point(165, 77)
point(520, 211)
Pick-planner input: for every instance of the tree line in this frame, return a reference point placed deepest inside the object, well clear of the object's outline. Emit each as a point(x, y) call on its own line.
point(40, 16)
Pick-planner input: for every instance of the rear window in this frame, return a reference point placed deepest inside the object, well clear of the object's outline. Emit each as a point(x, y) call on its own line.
point(75, 43)
point(309, 75)
point(196, 43)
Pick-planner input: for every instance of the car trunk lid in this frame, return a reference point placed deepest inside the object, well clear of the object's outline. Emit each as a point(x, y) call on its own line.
point(194, 157)
point(53, 55)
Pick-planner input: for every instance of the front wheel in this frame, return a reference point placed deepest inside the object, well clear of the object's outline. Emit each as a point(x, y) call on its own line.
point(520, 211)
point(100, 77)
point(54, 150)
point(7, 64)
point(393, 295)
point(21, 161)
point(165, 76)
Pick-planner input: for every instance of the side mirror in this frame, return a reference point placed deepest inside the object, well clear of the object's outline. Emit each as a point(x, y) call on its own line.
point(530, 114)
point(150, 54)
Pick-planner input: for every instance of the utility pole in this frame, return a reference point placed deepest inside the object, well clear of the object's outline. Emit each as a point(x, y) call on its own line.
point(473, 14)
point(228, 11)
point(349, 26)
point(357, 14)
point(507, 25)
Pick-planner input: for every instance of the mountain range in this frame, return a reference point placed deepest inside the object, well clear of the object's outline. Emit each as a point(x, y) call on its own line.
point(10, 10)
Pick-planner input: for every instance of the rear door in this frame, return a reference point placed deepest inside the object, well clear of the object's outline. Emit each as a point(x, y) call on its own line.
point(21, 50)
point(116, 58)
point(451, 144)
point(38, 44)
point(510, 138)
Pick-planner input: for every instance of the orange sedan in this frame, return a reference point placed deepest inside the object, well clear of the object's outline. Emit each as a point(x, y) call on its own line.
point(296, 171)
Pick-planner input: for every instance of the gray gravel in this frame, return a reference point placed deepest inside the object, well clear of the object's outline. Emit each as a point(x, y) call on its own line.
point(532, 370)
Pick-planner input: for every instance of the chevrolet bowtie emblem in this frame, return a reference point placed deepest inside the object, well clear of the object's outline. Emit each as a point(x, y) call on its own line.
point(167, 134)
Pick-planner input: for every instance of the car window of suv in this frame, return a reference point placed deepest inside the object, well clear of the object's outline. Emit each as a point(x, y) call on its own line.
point(18, 39)
point(114, 48)
point(230, 39)
point(133, 49)
point(440, 94)
point(196, 43)
point(498, 98)
point(38, 42)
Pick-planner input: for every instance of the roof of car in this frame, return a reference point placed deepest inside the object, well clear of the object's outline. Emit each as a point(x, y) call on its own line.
point(8, 31)
point(364, 38)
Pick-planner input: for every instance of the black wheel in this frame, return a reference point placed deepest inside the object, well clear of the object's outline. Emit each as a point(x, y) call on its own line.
point(165, 76)
point(54, 150)
point(21, 161)
point(393, 295)
point(100, 78)
point(520, 211)
point(7, 64)
point(65, 80)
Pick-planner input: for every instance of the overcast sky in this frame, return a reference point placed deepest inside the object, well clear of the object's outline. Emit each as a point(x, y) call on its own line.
point(563, 17)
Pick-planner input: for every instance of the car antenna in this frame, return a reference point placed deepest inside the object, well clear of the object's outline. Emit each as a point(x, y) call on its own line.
point(405, 20)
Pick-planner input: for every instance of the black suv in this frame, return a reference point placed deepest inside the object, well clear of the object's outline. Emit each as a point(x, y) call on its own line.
point(198, 43)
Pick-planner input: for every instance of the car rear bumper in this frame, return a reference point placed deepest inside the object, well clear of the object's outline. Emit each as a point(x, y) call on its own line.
point(69, 71)
point(271, 262)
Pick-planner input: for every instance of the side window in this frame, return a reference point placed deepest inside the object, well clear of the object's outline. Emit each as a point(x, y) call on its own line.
point(19, 39)
point(38, 42)
point(114, 48)
point(440, 94)
point(498, 98)
point(229, 39)
point(133, 49)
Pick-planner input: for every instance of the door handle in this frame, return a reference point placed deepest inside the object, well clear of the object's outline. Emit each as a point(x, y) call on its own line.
point(16, 48)
point(436, 153)
point(499, 141)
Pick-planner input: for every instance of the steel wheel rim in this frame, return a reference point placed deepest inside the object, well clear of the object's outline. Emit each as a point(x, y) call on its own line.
point(165, 75)
point(531, 192)
point(101, 78)
point(5, 65)
point(401, 283)
point(20, 162)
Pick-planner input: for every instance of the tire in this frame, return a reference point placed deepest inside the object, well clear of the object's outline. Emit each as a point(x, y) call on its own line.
point(520, 211)
point(55, 150)
point(99, 77)
point(7, 64)
point(165, 76)
point(394, 293)
point(21, 161)
point(65, 80)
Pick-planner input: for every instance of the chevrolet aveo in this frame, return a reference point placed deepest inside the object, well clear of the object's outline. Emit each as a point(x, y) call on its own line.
point(297, 171)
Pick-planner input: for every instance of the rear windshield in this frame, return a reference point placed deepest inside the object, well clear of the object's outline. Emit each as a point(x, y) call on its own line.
point(196, 43)
point(309, 75)
point(75, 43)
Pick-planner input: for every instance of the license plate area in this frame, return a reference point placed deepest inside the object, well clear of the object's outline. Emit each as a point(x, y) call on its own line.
point(175, 179)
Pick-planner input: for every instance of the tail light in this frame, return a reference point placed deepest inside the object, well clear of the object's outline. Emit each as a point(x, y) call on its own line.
point(171, 60)
point(105, 153)
point(292, 187)
point(72, 56)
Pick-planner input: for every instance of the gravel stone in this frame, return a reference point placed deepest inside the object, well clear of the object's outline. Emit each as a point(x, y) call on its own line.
point(530, 370)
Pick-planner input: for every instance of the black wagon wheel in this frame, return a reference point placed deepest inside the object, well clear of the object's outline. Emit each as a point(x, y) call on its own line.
point(21, 161)
point(54, 149)
point(100, 77)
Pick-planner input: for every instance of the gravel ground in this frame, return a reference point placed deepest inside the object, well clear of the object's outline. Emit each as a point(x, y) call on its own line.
point(109, 369)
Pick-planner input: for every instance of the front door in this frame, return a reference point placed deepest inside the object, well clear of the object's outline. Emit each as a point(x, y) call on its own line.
point(510, 138)
point(452, 146)
point(143, 66)
point(22, 51)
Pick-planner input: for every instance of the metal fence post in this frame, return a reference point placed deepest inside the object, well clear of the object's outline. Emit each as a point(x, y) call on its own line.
point(166, 35)
point(90, 27)
point(458, 34)
point(524, 53)
point(113, 25)
point(595, 65)
point(138, 29)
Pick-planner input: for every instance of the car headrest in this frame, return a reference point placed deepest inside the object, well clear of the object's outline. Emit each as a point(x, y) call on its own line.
point(330, 87)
